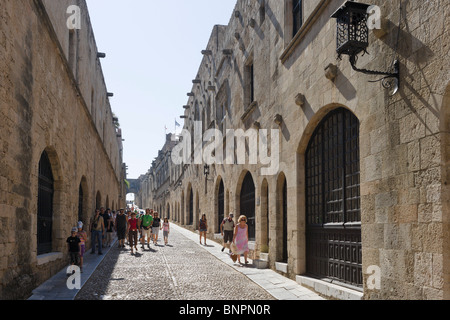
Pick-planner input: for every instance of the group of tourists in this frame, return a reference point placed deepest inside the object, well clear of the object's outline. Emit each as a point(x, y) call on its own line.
point(127, 225)
point(131, 224)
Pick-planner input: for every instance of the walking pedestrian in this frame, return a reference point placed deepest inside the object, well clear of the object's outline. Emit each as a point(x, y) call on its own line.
point(227, 231)
point(146, 224)
point(109, 231)
point(240, 238)
point(97, 229)
point(203, 227)
point(156, 226)
point(82, 235)
point(104, 213)
point(133, 226)
point(74, 247)
point(121, 227)
point(166, 230)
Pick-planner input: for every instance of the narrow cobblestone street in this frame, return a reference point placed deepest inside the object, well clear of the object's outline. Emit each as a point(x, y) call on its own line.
point(182, 270)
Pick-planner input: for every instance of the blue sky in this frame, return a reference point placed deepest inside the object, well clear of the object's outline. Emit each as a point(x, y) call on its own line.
point(153, 52)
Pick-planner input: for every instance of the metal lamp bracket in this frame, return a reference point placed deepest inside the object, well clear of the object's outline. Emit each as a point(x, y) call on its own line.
point(388, 76)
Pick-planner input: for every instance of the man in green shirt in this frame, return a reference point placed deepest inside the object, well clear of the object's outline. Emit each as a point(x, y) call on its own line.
point(146, 224)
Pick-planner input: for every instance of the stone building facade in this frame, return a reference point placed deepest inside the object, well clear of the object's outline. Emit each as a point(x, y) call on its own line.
point(61, 151)
point(361, 195)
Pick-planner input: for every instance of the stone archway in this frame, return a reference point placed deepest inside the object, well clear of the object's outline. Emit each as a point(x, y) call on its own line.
point(50, 213)
point(219, 204)
point(328, 178)
point(246, 202)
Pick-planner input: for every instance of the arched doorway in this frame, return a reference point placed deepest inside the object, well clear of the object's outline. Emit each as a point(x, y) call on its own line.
point(83, 201)
point(332, 199)
point(190, 208)
point(282, 220)
point(247, 204)
point(45, 206)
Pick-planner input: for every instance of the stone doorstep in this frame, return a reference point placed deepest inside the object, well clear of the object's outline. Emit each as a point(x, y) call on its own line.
point(281, 266)
point(328, 289)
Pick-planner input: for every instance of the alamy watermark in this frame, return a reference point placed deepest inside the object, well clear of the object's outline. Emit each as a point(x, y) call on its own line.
point(374, 17)
point(74, 19)
point(74, 280)
point(212, 147)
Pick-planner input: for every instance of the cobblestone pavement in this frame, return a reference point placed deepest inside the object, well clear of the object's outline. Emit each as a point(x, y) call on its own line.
point(182, 270)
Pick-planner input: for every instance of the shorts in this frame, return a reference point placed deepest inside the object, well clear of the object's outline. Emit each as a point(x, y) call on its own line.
point(155, 230)
point(146, 233)
point(203, 230)
point(166, 234)
point(74, 257)
point(228, 236)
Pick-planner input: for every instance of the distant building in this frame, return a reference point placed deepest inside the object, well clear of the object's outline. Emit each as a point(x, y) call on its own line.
point(361, 194)
point(60, 146)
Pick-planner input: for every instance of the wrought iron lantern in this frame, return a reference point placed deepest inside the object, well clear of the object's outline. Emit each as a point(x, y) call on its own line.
point(353, 39)
point(352, 28)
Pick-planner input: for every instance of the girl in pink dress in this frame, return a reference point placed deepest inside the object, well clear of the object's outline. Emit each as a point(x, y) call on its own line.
point(240, 238)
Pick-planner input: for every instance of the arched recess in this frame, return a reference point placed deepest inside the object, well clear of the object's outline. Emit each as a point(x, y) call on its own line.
point(282, 219)
point(83, 201)
point(445, 188)
point(168, 211)
point(182, 219)
point(246, 202)
point(219, 204)
point(328, 179)
point(189, 205)
point(196, 211)
point(49, 207)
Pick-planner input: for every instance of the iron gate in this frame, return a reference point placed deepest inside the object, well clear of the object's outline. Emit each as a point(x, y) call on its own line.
point(333, 216)
point(248, 205)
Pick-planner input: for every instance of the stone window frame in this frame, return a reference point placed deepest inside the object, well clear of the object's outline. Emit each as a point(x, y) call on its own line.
point(291, 41)
point(249, 82)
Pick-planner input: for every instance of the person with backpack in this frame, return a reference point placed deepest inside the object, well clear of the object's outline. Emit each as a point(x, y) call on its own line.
point(146, 225)
point(97, 228)
point(227, 231)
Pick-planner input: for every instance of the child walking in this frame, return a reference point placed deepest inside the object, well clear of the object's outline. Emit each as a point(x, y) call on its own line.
point(82, 235)
point(74, 247)
point(166, 231)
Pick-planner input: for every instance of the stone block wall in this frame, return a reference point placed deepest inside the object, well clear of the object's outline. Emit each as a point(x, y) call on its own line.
point(43, 108)
point(403, 138)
